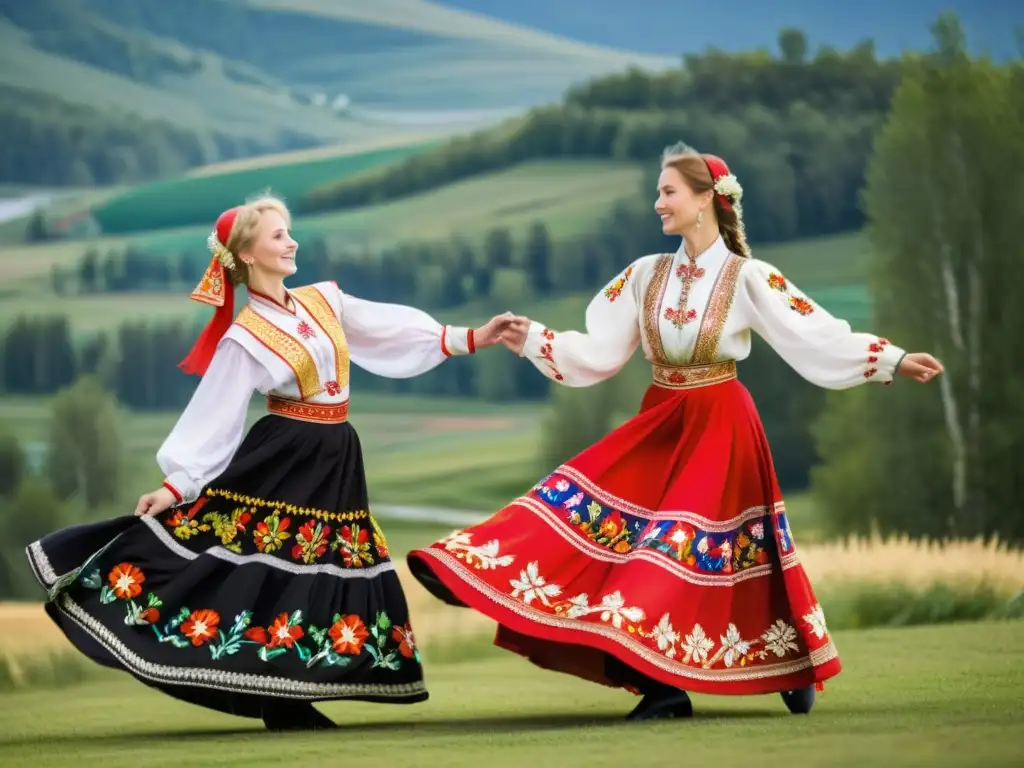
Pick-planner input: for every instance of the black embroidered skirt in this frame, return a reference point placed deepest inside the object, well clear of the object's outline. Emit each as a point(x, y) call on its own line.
point(276, 583)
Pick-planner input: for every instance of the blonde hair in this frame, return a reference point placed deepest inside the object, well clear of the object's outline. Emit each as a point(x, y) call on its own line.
point(695, 173)
point(243, 231)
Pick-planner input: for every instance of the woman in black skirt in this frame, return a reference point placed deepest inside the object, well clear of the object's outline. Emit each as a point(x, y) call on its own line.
point(255, 581)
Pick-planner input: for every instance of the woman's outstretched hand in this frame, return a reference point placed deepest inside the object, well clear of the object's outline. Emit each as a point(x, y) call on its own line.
point(489, 334)
point(514, 335)
point(919, 366)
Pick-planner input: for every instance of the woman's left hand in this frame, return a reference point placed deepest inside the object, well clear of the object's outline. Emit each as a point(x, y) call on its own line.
point(490, 334)
point(919, 366)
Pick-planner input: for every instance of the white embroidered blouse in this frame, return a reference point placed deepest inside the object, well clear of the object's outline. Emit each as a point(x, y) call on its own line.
point(701, 312)
point(302, 355)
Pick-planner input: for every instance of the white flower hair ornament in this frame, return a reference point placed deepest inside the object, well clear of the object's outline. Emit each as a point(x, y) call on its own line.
point(729, 187)
point(222, 254)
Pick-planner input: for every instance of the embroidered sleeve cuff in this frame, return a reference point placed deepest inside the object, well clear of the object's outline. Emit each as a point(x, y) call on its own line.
point(456, 340)
point(536, 338)
point(179, 484)
point(883, 358)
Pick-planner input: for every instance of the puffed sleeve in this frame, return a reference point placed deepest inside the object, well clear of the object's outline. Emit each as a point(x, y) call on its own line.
point(396, 341)
point(821, 348)
point(209, 431)
point(582, 359)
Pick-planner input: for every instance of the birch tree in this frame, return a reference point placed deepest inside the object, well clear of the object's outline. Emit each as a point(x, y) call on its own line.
point(944, 198)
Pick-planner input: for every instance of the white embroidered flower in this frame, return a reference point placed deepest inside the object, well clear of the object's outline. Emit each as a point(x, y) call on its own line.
point(665, 636)
point(734, 645)
point(757, 530)
point(457, 540)
point(729, 187)
point(615, 610)
point(531, 586)
point(580, 606)
point(779, 638)
point(697, 645)
point(816, 620)
point(702, 545)
point(484, 557)
point(562, 486)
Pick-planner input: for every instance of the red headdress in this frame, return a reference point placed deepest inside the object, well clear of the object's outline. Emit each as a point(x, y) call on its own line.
point(727, 188)
point(216, 290)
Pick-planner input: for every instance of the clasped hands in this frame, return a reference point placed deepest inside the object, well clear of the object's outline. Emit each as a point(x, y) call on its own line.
point(507, 329)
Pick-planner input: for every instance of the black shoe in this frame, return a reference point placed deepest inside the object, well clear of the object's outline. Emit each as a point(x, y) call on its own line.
point(662, 706)
point(295, 716)
point(799, 701)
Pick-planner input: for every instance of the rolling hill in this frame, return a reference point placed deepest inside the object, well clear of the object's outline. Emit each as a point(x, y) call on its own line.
point(292, 72)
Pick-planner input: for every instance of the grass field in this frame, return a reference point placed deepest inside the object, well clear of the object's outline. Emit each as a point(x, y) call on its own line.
point(568, 196)
point(433, 452)
point(907, 697)
point(832, 270)
point(188, 200)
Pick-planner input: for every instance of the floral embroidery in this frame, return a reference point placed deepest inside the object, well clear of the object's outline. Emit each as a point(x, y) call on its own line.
point(816, 621)
point(228, 528)
point(353, 543)
point(695, 648)
point(547, 354)
point(777, 282)
point(348, 633)
point(718, 552)
point(272, 533)
point(379, 541)
point(311, 542)
point(800, 305)
point(483, 558)
point(359, 543)
point(126, 581)
point(335, 645)
point(874, 350)
point(305, 330)
point(679, 318)
point(613, 291)
point(332, 388)
point(406, 641)
point(680, 315)
point(201, 626)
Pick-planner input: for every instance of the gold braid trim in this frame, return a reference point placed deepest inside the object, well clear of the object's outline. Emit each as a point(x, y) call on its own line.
point(652, 306)
point(290, 509)
point(716, 313)
point(323, 313)
point(285, 346)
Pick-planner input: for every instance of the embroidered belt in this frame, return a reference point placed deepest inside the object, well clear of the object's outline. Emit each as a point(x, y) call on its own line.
point(693, 376)
point(322, 413)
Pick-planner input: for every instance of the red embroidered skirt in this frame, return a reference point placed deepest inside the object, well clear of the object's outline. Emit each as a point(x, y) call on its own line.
point(665, 545)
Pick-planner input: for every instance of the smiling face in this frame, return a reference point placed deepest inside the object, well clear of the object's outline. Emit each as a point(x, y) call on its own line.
point(271, 253)
point(677, 204)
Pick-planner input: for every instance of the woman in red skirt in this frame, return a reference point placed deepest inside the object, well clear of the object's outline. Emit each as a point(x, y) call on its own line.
point(660, 559)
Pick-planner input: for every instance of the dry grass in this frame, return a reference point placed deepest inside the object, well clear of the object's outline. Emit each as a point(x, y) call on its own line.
point(25, 628)
point(915, 564)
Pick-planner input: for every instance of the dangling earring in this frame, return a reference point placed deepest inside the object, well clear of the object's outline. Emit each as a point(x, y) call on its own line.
point(700, 217)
